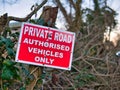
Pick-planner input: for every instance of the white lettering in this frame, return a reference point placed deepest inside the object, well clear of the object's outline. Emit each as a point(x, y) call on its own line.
point(56, 37)
point(37, 59)
point(44, 60)
point(67, 48)
point(26, 40)
point(38, 32)
point(41, 43)
point(50, 35)
point(45, 52)
point(26, 30)
point(41, 34)
point(61, 55)
point(69, 39)
point(30, 31)
point(30, 49)
point(61, 37)
point(46, 44)
point(46, 33)
point(51, 61)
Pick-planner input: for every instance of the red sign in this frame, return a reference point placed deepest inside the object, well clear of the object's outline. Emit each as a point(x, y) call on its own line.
point(45, 46)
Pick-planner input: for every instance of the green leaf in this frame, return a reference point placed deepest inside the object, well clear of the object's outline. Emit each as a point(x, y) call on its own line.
point(82, 83)
point(41, 21)
point(22, 88)
point(15, 35)
point(33, 21)
point(15, 72)
point(6, 74)
point(9, 43)
point(3, 39)
point(8, 63)
point(1, 43)
point(10, 71)
point(10, 51)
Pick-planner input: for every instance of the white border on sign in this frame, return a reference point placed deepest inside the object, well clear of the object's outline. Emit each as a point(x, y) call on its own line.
point(18, 47)
point(44, 65)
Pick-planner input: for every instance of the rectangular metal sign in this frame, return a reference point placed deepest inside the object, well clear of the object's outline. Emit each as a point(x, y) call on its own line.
point(45, 46)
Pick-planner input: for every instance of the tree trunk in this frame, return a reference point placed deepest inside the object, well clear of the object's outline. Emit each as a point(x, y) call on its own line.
point(49, 16)
point(3, 22)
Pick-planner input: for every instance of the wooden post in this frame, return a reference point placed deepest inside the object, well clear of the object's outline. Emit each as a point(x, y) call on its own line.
point(3, 22)
point(49, 16)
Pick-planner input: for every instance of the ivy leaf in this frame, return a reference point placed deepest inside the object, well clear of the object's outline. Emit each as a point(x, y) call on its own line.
point(6, 74)
point(3, 39)
point(9, 43)
point(15, 72)
point(15, 35)
point(1, 43)
point(10, 51)
point(8, 63)
point(41, 21)
point(10, 71)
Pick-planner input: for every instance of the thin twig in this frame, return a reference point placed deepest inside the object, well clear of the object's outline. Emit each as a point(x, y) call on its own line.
point(29, 15)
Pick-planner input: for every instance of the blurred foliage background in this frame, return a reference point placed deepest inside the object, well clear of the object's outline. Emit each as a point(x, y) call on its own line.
point(95, 65)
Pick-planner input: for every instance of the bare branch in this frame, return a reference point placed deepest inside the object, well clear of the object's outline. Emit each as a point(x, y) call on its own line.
point(68, 19)
point(29, 15)
point(72, 3)
point(78, 12)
